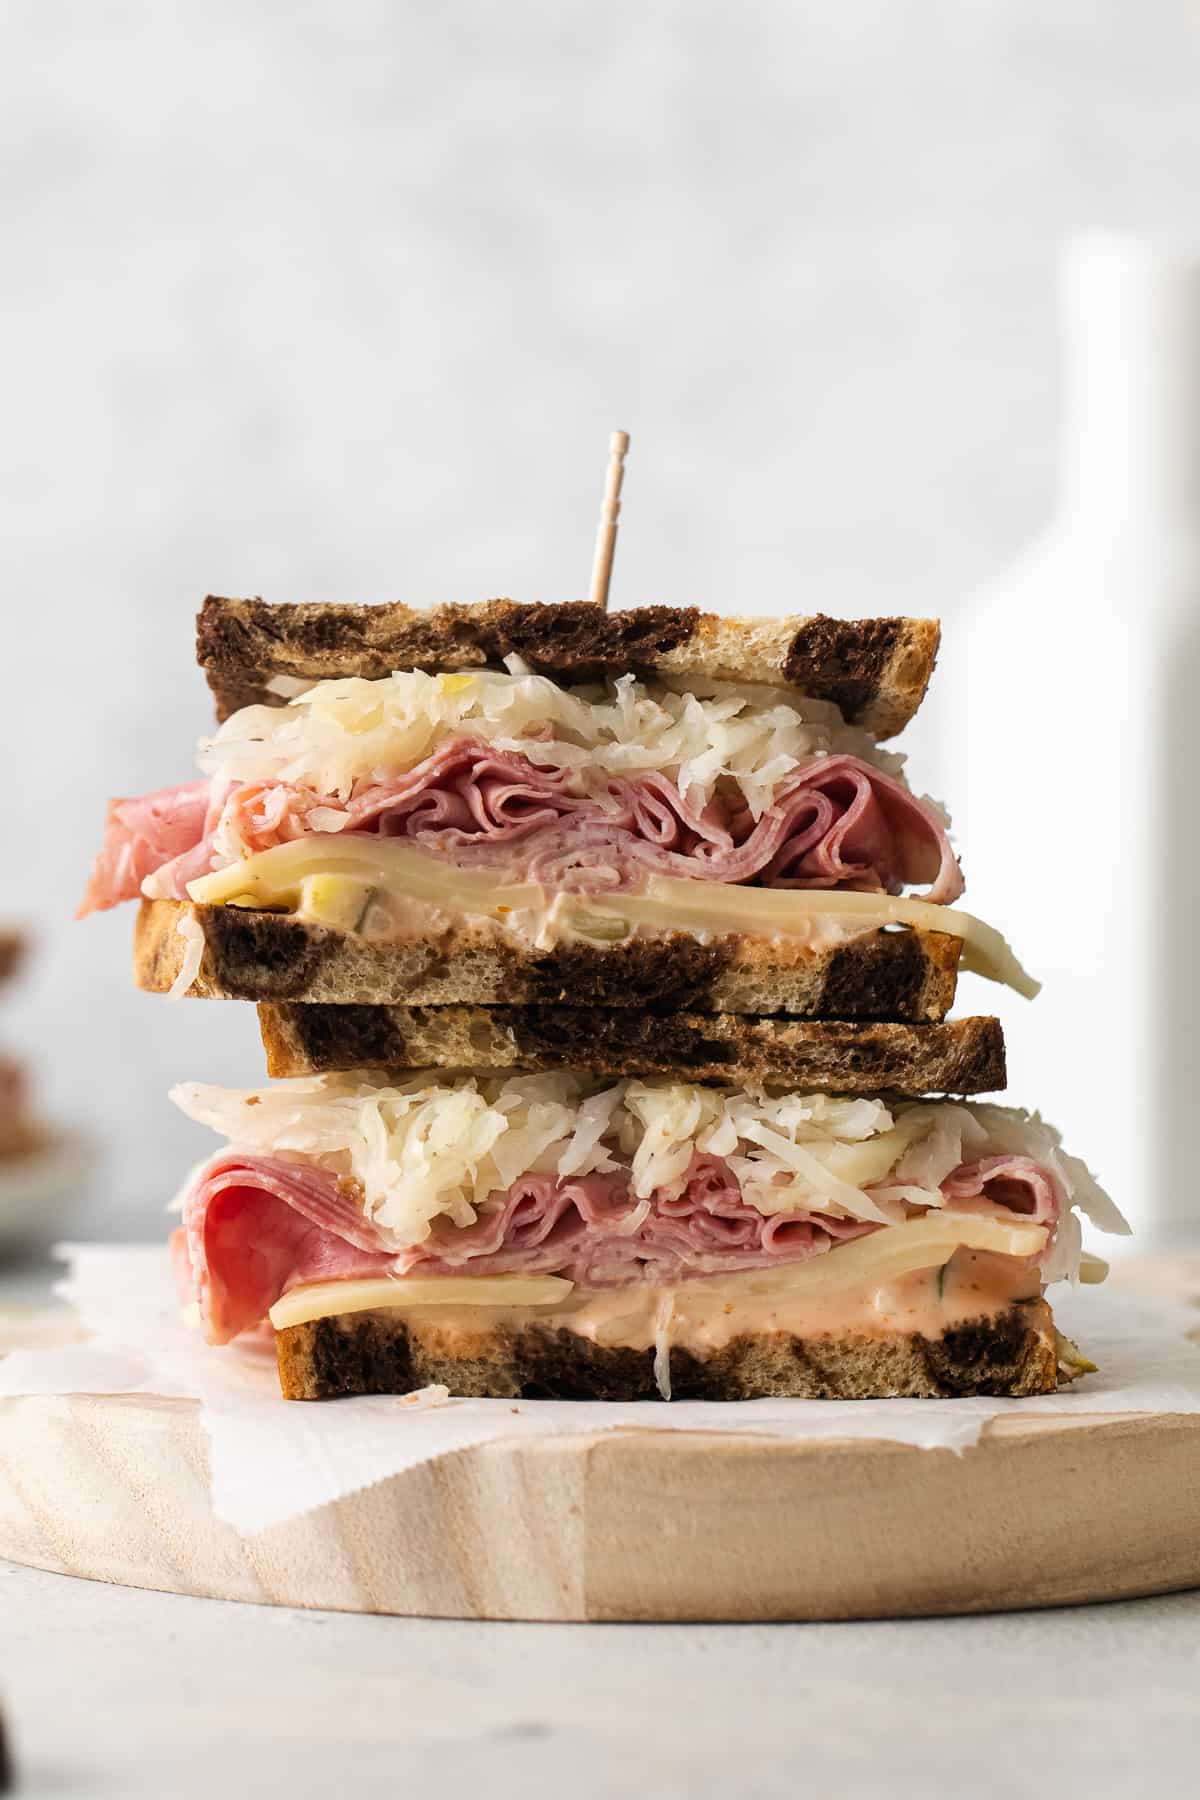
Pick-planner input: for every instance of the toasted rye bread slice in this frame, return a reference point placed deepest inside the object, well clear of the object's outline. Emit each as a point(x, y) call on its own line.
point(965, 1056)
point(386, 1352)
point(250, 955)
point(875, 670)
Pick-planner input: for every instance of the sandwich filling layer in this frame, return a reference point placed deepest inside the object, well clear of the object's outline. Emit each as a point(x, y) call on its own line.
point(387, 892)
point(642, 1187)
point(587, 792)
point(705, 1315)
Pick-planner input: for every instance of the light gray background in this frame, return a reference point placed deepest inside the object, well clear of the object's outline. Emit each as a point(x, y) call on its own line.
point(341, 301)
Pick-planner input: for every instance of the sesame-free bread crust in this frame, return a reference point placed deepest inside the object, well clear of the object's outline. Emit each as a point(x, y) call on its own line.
point(386, 1352)
point(252, 955)
point(875, 670)
point(964, 1056)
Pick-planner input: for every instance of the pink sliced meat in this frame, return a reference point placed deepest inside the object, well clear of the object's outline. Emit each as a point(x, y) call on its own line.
point(254, 1226)
point(470, 788)
point(592, 1232)
point(838, 822)
point(997, 1185)
point(140, 836)
point(849, 825)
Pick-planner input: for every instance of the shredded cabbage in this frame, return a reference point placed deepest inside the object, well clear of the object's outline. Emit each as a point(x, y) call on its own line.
point(338, 733)
point(191, 931)
point(441, 1146)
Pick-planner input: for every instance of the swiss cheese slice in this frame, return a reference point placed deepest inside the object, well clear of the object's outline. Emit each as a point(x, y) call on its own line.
point(323, 1299)
point(924, 1243)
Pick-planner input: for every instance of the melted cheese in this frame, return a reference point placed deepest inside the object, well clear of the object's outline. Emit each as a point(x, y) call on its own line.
point(883, 1257)
point(923, 1243)
point(330, 879)
point(323, 1299)
point(276, 878)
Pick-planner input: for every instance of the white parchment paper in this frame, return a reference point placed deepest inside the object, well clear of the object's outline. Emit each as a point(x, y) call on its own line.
point(272, 1460)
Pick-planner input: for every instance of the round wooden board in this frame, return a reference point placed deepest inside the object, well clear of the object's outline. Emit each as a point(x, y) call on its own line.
point(626, 1526)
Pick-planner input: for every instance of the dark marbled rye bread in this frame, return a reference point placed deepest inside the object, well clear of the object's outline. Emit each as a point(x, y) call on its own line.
point(964, 1056)
point(902, 975)
point(875, 670)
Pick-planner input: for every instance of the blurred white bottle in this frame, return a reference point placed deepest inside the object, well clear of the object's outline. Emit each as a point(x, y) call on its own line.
point(1071, 691)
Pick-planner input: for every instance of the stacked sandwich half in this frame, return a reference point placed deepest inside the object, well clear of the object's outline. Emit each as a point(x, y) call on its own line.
point(605, 962)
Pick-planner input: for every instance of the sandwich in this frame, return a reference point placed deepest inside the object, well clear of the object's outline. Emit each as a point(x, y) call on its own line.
point(554, 1236)
point(603, 966)
point(521, 805)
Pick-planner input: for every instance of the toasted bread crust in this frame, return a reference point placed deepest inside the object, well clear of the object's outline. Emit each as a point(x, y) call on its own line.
point(385, 1352)
point(965, 1056)
point(875, 670)
point(249, 955)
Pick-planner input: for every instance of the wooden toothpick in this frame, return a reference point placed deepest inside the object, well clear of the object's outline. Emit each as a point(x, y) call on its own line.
point(610, 512)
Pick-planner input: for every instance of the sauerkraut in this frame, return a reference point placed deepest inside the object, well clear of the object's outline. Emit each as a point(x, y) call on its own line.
point(429, 1147)
point(191, 931)
point(338, 733)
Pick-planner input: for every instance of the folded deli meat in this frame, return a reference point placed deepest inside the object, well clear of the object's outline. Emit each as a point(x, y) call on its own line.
point(343, 1192)
point(586, 791)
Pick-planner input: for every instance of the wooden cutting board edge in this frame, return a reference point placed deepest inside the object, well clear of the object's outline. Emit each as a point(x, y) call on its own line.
point(626, 1525)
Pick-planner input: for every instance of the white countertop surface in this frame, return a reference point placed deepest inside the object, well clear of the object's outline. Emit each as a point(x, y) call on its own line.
point(115, 1692)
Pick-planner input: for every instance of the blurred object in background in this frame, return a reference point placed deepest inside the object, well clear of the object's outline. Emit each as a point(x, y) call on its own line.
point(44, 1169)
point(1073, 739)
point(20, 1132)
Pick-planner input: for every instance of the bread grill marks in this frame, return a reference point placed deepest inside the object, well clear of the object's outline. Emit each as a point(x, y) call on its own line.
point(252, 955)
point(382, 1352)
point(965, 1056)
point(876, 670)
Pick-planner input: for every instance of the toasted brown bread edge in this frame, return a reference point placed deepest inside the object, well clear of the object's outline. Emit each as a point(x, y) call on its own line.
point(962, 1056)
point(875, 670)
point(1010, 1353)
point(249, 955)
